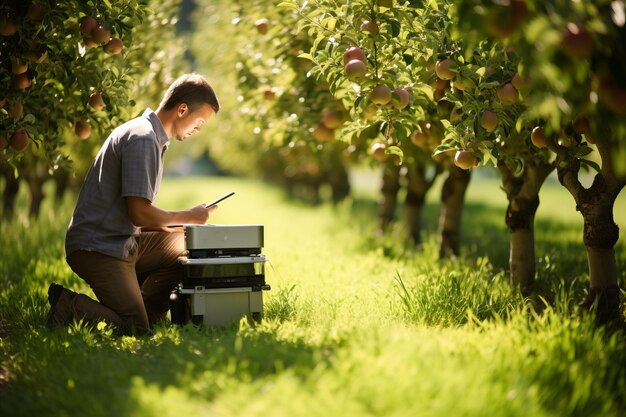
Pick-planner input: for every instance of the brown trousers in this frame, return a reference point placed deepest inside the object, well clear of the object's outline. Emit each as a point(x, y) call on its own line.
point(132, 293)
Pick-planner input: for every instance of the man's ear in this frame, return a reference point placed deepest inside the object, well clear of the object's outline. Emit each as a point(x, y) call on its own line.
point(182, 109)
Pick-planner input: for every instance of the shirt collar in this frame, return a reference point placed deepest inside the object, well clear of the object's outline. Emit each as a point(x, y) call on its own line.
point(159, 130)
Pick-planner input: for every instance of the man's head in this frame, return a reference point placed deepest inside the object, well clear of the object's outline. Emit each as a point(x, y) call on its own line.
point(187, 104)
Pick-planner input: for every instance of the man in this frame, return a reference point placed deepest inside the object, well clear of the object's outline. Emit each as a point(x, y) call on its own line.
point(132, 271)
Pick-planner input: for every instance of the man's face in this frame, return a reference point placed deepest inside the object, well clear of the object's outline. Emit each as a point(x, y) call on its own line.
point(189, 122)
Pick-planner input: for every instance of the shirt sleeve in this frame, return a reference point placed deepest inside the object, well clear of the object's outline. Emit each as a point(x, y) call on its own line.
point(140, 168)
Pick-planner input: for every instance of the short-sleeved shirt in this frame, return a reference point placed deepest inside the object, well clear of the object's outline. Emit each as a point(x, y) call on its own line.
point(129, 164)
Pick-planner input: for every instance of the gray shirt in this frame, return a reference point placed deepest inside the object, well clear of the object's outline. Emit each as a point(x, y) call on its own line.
point(129, 164)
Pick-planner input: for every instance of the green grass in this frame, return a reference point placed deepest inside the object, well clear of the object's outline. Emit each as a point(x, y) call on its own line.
point(353, 325)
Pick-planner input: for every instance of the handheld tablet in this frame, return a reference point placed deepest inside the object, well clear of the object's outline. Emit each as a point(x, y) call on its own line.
point(220, 199)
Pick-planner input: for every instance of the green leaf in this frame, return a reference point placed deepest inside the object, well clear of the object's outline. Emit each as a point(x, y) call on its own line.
point(590, 164)
point(288, 5)
point(306, 56)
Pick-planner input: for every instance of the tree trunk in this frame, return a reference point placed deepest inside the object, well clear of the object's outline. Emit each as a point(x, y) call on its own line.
point(418, 185)
point(389, 194)
point(523, 196)
point(452, 199)
point(11, 188)
point(62, 181)
point(600, 233)
point(35, 186)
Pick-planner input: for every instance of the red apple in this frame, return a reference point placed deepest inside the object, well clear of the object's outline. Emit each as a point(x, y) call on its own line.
point(370, 26)
point(323, 133)
point(83, 128)
point(400, 98)
point(100, 35)
point(4, 143)
point(269, 93)
point(377, 150)
point(7, 26)
point(262, 25)
point(16, 109)
point(96, 101)
point(489, 121)
point(538, 137)
point(87, 24)
point(465, 159)
point(504, 18)
point(381, 95)
point(114, 46)
point(18, 66)
point(89, 43)
point(36, 12)
point(576, 41)
point(333, 119)
point(36, 57)
point(446, 69)
point(353, 52)
point(355, 70)
point(507, 94)
point(519, 82)
point(21, 81)
point(19, 140)
point(420, 137)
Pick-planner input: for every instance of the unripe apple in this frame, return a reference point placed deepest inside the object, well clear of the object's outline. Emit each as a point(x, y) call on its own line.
point(7, 26)
point(465, 159)
point(262, 26)
point(400, 98)
point(446, 69)
point(489, 121)
point(16, 110)
point(19, 140)
point(538, 137)
point(100, 35)
point(381, 95)
point(96, 101)
point(576, 41)
point(87, 24)
point(21, 81)
point(355, 70)
point(114, 46)
point(507, 94)
point(353, 52)
point(370, 26)
point(323, 133)
point(333, 119)
point(82, 128)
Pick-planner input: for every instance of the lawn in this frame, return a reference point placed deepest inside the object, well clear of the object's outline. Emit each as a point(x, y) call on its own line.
point(354, 325)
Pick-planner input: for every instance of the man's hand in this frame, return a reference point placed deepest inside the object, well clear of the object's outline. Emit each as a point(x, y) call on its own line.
point(144, 214)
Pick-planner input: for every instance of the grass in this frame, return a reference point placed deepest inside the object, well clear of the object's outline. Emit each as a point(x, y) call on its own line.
point(353, 325)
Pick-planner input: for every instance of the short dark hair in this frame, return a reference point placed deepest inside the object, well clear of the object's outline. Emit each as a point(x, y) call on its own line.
point(191, 89)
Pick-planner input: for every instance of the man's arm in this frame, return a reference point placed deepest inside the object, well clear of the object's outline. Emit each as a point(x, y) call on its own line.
point(144, 214)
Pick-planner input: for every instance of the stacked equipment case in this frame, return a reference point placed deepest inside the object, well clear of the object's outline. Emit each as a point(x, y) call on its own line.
point(223, 275)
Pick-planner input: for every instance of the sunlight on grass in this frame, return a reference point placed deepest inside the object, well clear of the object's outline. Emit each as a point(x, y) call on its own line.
point(353, 325)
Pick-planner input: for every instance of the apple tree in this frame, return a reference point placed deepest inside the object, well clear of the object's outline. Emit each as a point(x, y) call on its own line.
point(572, 54)
point(378, 57)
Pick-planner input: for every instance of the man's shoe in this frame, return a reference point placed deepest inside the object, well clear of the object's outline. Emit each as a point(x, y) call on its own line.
point(54, 293)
